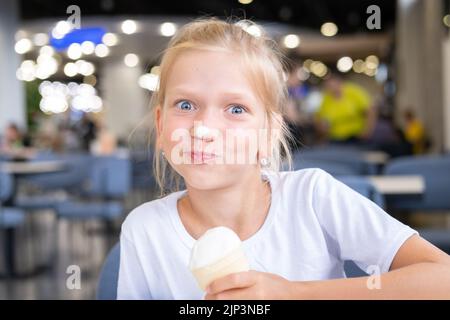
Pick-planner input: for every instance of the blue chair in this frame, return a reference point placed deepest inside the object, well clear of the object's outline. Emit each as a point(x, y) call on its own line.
point(141, 167)
point(102, 194)
point(333, 168)
point(10, 219)
point(352, 270)
point(110, 177)
point(144, 184)
point(350, 157)
point(54, 188)
point(108, 183)
point(86, 210)
point(109, 275)
point(71, 180)
point(435, 171)
point(77, 169)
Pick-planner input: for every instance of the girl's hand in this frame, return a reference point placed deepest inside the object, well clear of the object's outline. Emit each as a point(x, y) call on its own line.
point(251, 285)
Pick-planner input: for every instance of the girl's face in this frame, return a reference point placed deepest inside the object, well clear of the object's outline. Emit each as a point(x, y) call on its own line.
point(210, 124)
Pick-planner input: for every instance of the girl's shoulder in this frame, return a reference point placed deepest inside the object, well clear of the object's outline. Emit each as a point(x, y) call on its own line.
point(299, 180)
point(300, 188)
point(150, 216)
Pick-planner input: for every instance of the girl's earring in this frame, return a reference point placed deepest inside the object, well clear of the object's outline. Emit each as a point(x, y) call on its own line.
point(265, 162)
point(163, 154)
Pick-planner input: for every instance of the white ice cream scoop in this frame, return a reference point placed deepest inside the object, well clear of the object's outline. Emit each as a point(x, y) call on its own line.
point(217, 253)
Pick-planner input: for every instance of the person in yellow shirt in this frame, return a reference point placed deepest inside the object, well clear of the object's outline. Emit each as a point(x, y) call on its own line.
point(346, 113)
point(414, 132)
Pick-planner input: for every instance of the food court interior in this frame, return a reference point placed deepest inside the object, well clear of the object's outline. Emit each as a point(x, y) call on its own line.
point(75, 84)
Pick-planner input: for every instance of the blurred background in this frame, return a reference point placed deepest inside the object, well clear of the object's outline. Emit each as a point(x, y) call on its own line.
point(369, 87)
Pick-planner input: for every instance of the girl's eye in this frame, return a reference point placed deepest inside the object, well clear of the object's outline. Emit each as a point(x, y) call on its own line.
point(236, 109)
point(184, 105)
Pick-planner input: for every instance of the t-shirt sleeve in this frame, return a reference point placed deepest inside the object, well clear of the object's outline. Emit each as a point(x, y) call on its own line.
point(364, 233)
point(131, 283)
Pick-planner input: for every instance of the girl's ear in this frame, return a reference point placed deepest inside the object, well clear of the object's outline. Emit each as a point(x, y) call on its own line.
point(158, 125)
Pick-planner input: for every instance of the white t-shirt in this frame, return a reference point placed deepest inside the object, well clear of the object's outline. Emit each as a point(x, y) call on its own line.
point(314, 224)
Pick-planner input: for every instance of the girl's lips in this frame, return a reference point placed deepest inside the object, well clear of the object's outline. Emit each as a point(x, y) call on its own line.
point(197, 157)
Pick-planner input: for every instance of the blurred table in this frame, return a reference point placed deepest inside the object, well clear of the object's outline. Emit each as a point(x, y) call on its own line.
point(32, 167)
point(21, 154)
point(19, 169)
point(376, 157)
point(399, 185)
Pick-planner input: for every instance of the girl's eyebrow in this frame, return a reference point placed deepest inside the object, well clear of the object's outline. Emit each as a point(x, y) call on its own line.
point(229, 94)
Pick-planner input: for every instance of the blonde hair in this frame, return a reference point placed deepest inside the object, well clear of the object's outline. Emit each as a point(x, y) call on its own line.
point(266, 67)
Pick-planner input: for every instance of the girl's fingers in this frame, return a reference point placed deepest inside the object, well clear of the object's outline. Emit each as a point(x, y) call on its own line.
point(232, 281)
point(233, 294)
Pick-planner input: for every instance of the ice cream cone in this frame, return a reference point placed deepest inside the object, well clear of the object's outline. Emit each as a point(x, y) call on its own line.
point(231, 261)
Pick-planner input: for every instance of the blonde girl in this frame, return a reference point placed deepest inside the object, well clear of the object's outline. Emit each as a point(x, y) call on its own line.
point(220, 100)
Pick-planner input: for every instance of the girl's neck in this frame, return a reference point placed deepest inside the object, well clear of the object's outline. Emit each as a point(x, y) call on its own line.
point(242, 208)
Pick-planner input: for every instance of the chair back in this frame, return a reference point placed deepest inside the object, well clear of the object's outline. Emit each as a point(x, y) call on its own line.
point(110, 177)
point(435, 171)
point(109, 276)
point(6, 186)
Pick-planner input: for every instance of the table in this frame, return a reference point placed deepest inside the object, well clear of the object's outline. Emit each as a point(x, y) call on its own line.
point(32, 167)
point(19, 169)
point(399, 184)
point(376, 157)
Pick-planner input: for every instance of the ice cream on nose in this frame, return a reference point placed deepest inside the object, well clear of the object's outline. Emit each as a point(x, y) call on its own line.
point(201, 131)
point(217, 253)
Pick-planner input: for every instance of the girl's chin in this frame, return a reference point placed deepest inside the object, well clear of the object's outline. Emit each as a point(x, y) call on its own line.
point(204, 178)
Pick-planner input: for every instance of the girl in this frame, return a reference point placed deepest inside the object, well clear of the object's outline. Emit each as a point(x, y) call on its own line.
point(220, 83)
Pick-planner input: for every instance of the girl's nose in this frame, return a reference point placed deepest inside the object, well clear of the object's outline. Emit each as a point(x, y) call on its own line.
point(202, 132)
point(204, 127)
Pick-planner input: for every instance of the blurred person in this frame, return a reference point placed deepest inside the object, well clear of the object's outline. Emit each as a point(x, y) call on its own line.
point(414, 131)
point(215, 73)
point(12, 138)
point(66, 140)
point(346, 113)
point(14, 144)
point(299, 114)
point(105, 143)
point(87, 131)
point(48, 134)
point(387, 137)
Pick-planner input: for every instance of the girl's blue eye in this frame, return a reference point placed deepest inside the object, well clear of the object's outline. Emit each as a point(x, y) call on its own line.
point(237, 109)
point(184, 105)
